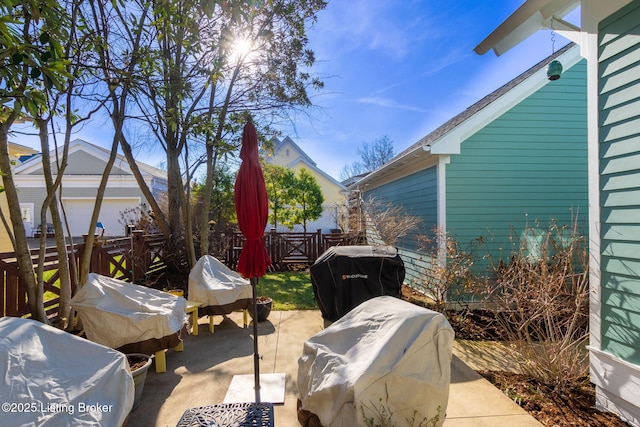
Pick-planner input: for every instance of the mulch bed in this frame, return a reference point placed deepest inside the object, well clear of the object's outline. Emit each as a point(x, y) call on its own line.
point(574, 407)
point(552, 408)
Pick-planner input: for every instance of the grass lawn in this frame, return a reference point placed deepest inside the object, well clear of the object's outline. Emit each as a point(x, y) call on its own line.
point(290, 290)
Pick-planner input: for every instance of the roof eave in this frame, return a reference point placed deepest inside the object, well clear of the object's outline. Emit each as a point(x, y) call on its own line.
point(529, 18)
point(393, 165)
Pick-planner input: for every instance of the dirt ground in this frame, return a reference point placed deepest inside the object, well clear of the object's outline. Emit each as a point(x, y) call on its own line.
point(550, 407)
point(575, 408)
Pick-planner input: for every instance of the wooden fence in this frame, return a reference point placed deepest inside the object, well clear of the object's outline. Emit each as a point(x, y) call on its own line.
point(139, 256)
point(286, 249)
point(129, 258)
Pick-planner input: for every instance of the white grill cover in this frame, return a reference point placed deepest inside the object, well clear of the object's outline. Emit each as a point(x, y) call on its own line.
point(384, 353)
point(212, 283)
point(53, 378)
point(115, 313)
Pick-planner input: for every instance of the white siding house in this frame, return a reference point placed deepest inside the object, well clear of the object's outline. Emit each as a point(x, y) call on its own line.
point(82, 176)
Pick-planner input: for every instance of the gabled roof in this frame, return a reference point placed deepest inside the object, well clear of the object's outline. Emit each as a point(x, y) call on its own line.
point(34, 163)
point(302, 155)
point(21, 149)
point(447, 138)
point(302, 158)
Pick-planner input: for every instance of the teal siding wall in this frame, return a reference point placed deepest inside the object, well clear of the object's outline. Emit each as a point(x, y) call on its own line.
point(619, 121)
point(528, 165)
point(416, 194)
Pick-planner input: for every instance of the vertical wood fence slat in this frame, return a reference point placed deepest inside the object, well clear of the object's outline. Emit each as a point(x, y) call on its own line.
point(12, 292)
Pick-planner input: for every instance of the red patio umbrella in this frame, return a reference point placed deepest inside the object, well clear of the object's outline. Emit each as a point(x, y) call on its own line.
point(252, 209)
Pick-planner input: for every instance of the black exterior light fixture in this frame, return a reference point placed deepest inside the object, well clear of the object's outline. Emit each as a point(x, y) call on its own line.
point(554, 69)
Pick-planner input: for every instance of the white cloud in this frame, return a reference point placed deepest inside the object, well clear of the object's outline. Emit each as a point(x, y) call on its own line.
point(389, 103)
point(347, 26)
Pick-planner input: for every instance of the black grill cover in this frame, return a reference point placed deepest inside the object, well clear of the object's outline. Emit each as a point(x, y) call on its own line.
point(345, 276)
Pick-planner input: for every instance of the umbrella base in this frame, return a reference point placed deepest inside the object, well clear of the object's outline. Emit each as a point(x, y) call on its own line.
point(241, 389)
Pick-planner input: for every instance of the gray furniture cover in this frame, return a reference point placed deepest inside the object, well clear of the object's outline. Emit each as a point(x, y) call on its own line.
point(117, 313)
point(385, 354)
point(53, 378)
point(219, 289)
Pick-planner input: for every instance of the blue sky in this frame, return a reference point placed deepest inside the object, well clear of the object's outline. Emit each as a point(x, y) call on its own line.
point(401, 69)
point(398, 68)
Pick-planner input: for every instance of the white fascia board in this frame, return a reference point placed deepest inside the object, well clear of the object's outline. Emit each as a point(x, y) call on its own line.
point(317, 170)
point(410, 163)
point(529, 18)
point(29, 166)
point(451, 141)
point(535, 15)
point(524, 31)
point(78, 181)
point(100, 153)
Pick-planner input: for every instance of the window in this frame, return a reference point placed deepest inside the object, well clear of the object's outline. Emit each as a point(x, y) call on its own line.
point(26, 209)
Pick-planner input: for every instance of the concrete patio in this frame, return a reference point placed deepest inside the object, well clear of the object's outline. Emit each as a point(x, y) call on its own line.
point(202, 373)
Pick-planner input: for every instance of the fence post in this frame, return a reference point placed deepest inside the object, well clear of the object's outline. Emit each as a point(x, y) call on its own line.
point(273, 246)
point(73, 259)
point(94, 263)
point(139, 256)
point(319, 246)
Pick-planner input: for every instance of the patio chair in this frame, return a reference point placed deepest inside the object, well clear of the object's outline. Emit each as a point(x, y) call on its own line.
point(131, 318)
point(218, 289)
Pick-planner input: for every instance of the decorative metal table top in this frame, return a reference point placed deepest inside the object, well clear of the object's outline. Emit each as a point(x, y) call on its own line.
point(229, 415)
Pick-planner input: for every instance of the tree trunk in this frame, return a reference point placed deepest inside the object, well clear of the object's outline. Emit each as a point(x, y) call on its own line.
point(51, 202)
point(160, 219)
point(175, 188)
point(88, 247)
point(35, 289)
point(185, 202)
point(206, 202)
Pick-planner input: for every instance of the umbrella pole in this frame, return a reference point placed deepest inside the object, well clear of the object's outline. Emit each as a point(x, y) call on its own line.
point(256, 356)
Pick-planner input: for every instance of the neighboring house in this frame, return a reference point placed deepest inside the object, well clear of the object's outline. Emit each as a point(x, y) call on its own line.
point(17, 154)
point(516, 156)
point(288, 154)
point(80, 182)
point(609, 37)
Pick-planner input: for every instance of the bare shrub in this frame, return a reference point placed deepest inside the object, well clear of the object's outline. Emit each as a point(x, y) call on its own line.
point(449, 277)
point(387, 222)
point(138, 218)
point(541, 298)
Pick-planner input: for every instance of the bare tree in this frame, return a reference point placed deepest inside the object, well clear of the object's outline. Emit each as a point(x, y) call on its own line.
point(197, 95)
point(372, 156)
